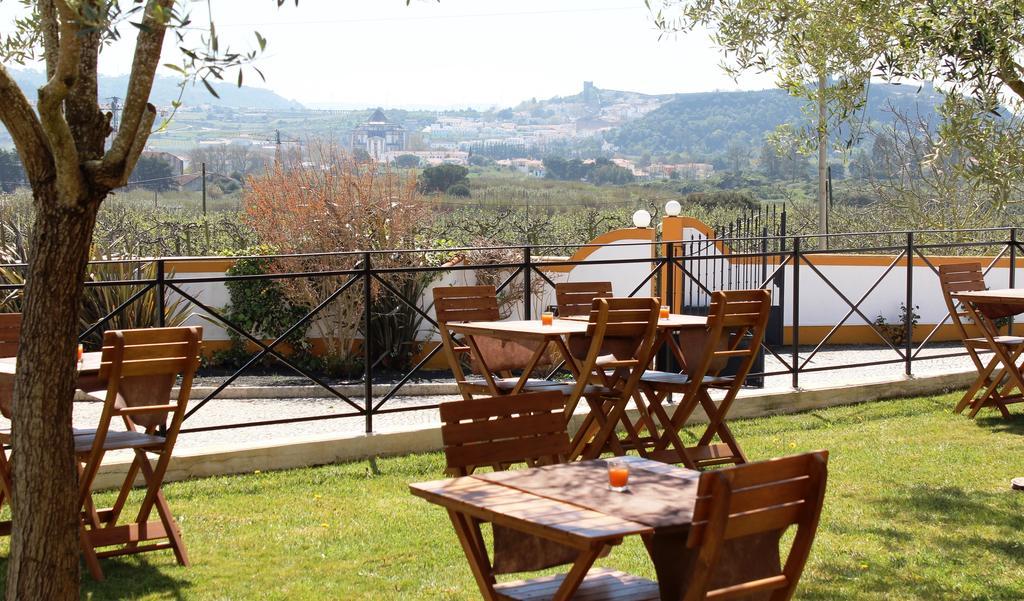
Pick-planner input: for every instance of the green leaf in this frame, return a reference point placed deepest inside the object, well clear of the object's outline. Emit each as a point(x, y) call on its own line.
point(261, 40)
point(210, 89)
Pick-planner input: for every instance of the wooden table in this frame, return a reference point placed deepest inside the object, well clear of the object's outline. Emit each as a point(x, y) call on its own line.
point(995, 304)
point(670, 329)
point(90, 365)
point(524, 331)
point(676, 323)
point(570, 504)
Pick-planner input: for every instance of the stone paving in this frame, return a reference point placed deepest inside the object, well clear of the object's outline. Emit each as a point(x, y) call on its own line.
point(220, 411)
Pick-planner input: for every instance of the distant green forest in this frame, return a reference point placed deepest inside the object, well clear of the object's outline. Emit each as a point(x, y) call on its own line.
point(707, 124)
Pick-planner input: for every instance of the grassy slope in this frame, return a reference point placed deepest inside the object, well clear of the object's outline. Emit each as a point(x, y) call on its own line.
point(918, 507)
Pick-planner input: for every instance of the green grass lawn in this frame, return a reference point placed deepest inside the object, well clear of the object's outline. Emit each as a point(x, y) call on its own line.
point(918, 507)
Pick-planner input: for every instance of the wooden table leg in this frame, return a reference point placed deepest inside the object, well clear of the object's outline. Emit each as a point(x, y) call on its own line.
point(488, 378)
point(578, 572)
point(468, 531)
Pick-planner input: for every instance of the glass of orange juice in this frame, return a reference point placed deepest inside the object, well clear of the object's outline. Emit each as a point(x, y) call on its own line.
point(664, 312)
point(618, 475)
point(81, 351)
point(547, 318)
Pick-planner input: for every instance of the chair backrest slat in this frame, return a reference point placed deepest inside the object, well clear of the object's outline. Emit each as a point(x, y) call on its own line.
point(465, 303)
point(757, 498)
point(499, 431)
point(576, 298)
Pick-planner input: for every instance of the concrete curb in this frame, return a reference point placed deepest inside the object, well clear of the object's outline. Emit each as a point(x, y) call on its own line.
point(310, 451)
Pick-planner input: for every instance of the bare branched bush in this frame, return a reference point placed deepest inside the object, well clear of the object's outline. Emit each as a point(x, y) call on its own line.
point(329, 203)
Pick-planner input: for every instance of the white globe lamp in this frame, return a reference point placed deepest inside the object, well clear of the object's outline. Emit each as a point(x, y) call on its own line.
point(641, 218)
point(673, 208)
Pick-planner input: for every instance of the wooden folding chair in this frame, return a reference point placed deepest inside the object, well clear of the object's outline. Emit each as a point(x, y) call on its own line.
point(577, 298)
point(738, 506)
point(499, 432)
point(979, 334)
point(735, 329)
point(612, 356)
point(478, 303)
point(140, 368)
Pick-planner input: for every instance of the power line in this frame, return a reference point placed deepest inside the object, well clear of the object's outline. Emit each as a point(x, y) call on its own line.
point(430, 17)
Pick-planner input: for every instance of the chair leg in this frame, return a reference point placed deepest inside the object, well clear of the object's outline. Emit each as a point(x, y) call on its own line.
point(982, 380)
point(155, 498)
point(669, 436)
point(717, 425)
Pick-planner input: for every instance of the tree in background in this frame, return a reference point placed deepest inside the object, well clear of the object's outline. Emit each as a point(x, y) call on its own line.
point(442, 177)
point(62, 143)
point(804, 43)
point(919, 177)
point(972, 49)
point(407, 161)
point(153, 173)
point(600, 171)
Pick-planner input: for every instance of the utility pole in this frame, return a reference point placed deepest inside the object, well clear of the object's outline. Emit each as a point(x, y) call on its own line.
point(206, 224)
point(204, 189)
point(277, 148)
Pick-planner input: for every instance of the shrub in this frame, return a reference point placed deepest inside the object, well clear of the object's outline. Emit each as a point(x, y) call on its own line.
point(460, 190)
point(262, 308)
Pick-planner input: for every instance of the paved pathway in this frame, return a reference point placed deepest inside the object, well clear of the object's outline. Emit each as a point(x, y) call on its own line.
point(230, 411)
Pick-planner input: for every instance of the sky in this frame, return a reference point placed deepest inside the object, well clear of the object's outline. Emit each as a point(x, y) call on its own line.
point(452, 53)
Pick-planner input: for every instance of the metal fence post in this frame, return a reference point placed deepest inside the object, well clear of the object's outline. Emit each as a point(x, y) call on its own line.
point(666, 361)
point(161, 294)
point(908, 315)
point(796, 312)
point(764, 257)
point(367, 346)
point(670, 278)
point(527, 289)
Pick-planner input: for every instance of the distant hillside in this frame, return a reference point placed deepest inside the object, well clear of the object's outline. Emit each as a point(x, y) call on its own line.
point(705, 124)
point(165, 91)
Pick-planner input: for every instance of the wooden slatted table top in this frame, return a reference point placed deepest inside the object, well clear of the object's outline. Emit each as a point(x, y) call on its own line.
point(675, 321)
point(519, 328)
point(90, 364)
point(578, 511)
point(1006, 295)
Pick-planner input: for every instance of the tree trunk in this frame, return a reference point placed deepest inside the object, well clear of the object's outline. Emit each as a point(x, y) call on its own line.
point(45, 544)
point(822, 160)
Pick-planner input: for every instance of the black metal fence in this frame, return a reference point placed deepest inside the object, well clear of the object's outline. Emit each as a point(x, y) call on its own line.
point(524, 274)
